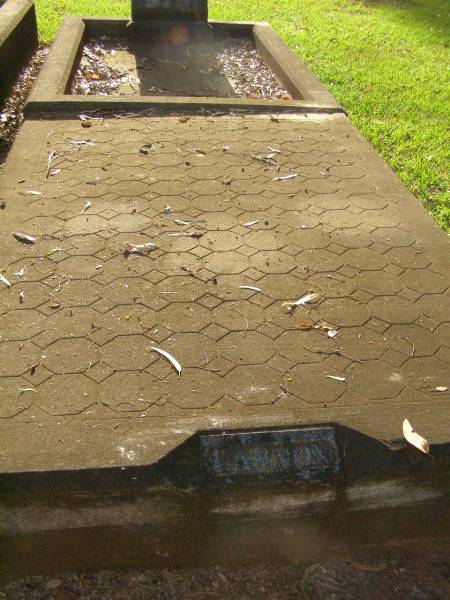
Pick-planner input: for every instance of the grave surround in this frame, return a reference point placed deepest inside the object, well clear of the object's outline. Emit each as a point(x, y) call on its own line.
point(51, 93)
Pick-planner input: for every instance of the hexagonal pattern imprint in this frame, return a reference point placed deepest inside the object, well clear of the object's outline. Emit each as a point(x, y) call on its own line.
point(203, 255)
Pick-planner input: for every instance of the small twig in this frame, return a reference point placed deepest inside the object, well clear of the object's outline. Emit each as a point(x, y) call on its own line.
point(330, 352)
point(51, 156)
point(206, 355)
point(242, 315)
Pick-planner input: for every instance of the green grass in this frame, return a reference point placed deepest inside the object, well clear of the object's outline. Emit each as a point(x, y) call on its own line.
point(386, 62)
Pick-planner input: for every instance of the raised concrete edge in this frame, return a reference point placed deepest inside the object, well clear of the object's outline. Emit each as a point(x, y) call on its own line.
point(70, 104)
point(289, 69)
point(18, 39)
point(179, 461)
point(57, 70)
point(48, 95)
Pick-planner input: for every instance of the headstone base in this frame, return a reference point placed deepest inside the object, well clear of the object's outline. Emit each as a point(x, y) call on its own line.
point(169, 10)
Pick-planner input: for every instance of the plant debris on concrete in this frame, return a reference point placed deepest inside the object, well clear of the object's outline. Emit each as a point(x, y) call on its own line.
point(230, 68)
point(248, 74)
point(11, 112)
point(94, 76)
point(379, 577)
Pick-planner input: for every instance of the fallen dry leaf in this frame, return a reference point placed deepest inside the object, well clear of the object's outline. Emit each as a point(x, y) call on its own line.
point(250, 287)
point(4, 280)
point(87, 205)
point(51, 155)
point(81, 142)
point(285, 177)
point(305, 299)
point(146, 149)
point(194, 223)
point(414, 438)
point(305, 326)
point(24, 238)
point(169, 357)
point(319, 326)
point(192, 234)
point(92, 76)
point(139, 248)
point(309, 297)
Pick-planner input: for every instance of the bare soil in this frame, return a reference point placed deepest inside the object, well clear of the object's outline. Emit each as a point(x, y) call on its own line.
point(379, 576)
point(218, 68)
point(11, 112)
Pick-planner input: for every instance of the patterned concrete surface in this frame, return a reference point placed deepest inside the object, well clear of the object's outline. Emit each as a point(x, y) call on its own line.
point(80, 384)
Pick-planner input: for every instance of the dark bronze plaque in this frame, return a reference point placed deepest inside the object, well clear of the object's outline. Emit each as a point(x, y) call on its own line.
point(285, 455)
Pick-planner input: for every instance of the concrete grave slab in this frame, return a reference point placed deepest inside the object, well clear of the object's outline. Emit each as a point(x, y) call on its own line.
point(80, 322)
point(90, 410)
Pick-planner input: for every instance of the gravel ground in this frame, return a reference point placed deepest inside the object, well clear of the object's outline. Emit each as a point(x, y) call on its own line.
point(378, 577)
point(11, 113)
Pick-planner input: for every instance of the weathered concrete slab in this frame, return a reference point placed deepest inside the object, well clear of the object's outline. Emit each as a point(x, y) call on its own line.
point(81, 385)
point(18, 39)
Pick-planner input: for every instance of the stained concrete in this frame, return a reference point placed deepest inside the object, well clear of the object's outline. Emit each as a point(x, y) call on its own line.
point(81, 385)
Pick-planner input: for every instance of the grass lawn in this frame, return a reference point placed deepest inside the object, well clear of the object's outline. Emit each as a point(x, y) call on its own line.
point(386, 61)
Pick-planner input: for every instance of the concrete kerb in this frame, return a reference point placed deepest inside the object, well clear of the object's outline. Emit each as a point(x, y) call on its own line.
point(50, 93)
point(18, 39)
